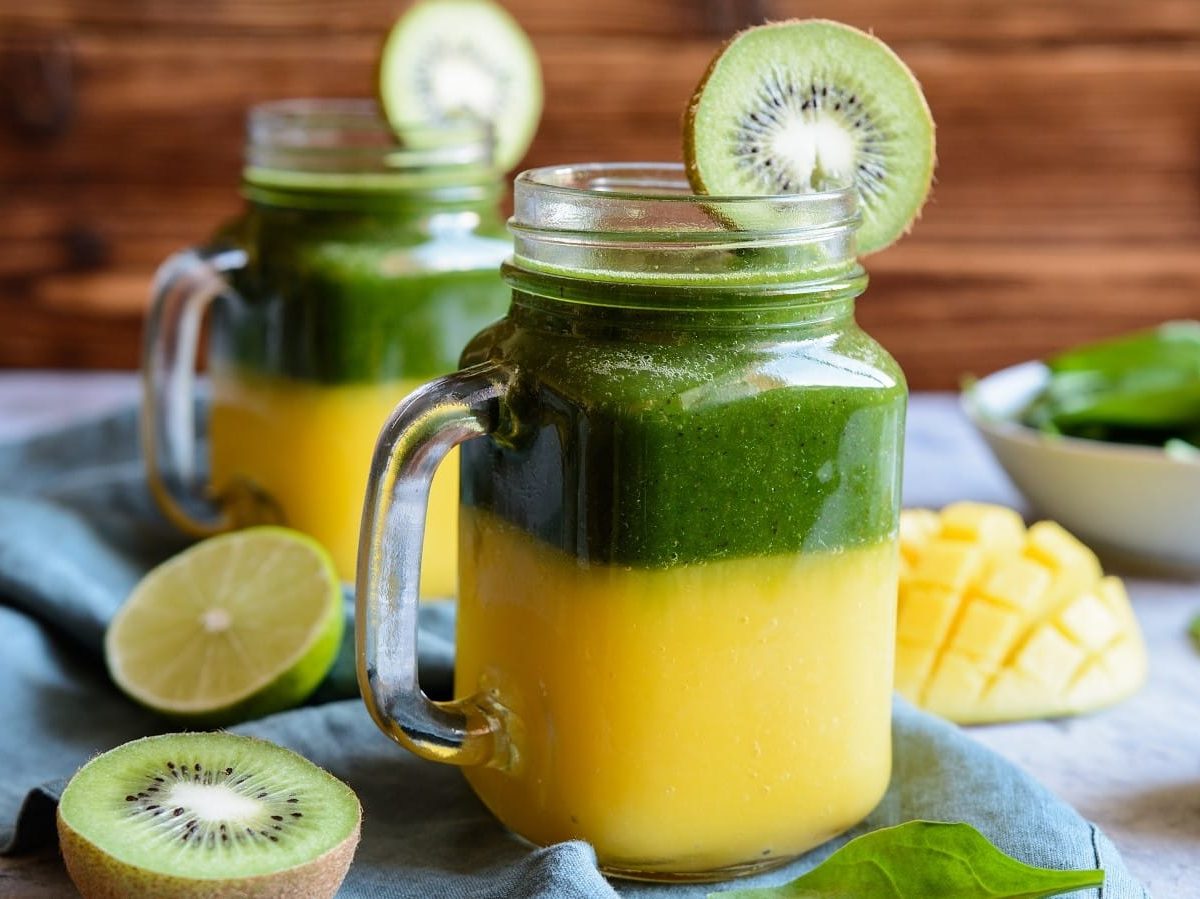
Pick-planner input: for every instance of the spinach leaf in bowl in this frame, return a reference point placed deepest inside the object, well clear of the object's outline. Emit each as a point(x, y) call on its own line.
point(1140, 388)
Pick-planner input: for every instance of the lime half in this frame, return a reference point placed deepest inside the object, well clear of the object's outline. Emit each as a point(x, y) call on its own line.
point(238, 626)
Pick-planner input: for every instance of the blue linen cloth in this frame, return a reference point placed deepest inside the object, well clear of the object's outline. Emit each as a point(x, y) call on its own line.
point(78, 529)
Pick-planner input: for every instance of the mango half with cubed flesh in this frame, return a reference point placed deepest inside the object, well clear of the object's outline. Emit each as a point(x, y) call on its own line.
point(998, 622)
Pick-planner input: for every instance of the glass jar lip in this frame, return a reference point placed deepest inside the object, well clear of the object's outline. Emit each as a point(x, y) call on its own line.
point(347, 144)
point(641, 223)
point(621, 202)
point(660, 181)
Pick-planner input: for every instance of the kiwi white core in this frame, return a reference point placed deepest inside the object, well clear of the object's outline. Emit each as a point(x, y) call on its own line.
point(457, 81)
point(817, 138)
point(215, 803)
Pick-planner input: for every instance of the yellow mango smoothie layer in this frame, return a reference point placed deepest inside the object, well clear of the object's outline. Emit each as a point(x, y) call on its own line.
point(309, 446)
point(686, 719)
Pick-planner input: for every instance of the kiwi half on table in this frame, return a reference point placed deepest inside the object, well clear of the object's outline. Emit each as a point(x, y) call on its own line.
point(808, 105)
point(212, 815)
point(445, 59)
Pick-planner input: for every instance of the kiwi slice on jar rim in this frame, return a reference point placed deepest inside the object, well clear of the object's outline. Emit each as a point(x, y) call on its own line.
point(448, 59)
point(207, 815)
point(810, 105)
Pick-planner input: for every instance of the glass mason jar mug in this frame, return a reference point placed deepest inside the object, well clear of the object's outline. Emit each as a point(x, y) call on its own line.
point(361, 266)
point(680, 469)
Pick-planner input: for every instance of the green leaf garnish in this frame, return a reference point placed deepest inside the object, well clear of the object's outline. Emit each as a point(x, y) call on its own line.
point(1139, 388)
point(924, 860)
point(1194, 632)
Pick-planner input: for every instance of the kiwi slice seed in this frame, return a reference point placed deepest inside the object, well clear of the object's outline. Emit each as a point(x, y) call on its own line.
point(206, 814)
point(445, 59)
point(809, 105)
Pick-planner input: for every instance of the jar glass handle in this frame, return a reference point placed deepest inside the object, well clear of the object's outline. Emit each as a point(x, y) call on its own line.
point(184, 288)
point(420, 432)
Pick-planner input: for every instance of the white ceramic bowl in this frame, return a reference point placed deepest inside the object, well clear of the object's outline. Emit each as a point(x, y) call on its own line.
point(1131, 501)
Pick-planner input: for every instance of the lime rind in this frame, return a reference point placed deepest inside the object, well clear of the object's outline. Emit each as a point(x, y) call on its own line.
point(448, 58)
point(874, 84)
point(238, 626)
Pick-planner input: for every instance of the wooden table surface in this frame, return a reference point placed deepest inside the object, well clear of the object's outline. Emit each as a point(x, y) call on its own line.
point(1134, 769)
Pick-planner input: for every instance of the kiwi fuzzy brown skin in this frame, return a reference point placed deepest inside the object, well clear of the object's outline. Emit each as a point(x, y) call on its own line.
point(690, 110)
point(98, 875)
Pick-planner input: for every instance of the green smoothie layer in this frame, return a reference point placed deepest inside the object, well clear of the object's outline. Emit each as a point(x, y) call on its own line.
point(340, 297)
point(661, 447)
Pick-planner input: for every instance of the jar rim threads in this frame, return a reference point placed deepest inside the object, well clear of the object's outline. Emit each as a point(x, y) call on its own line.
point(640, 223)
point(347, 146)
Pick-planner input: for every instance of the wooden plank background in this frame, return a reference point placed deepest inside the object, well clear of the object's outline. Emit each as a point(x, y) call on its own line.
point(1067, 204)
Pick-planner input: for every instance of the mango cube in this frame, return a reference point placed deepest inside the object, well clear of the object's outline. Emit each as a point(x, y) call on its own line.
point(1019, 583)
point(914, 662)
point(957, 685)
point(998, 622)
point(950, 564)
point(985, 632)
point(1050, 657)
point(994, 529)
point(926, 613)
point(1089, 622)
point(916, 530)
